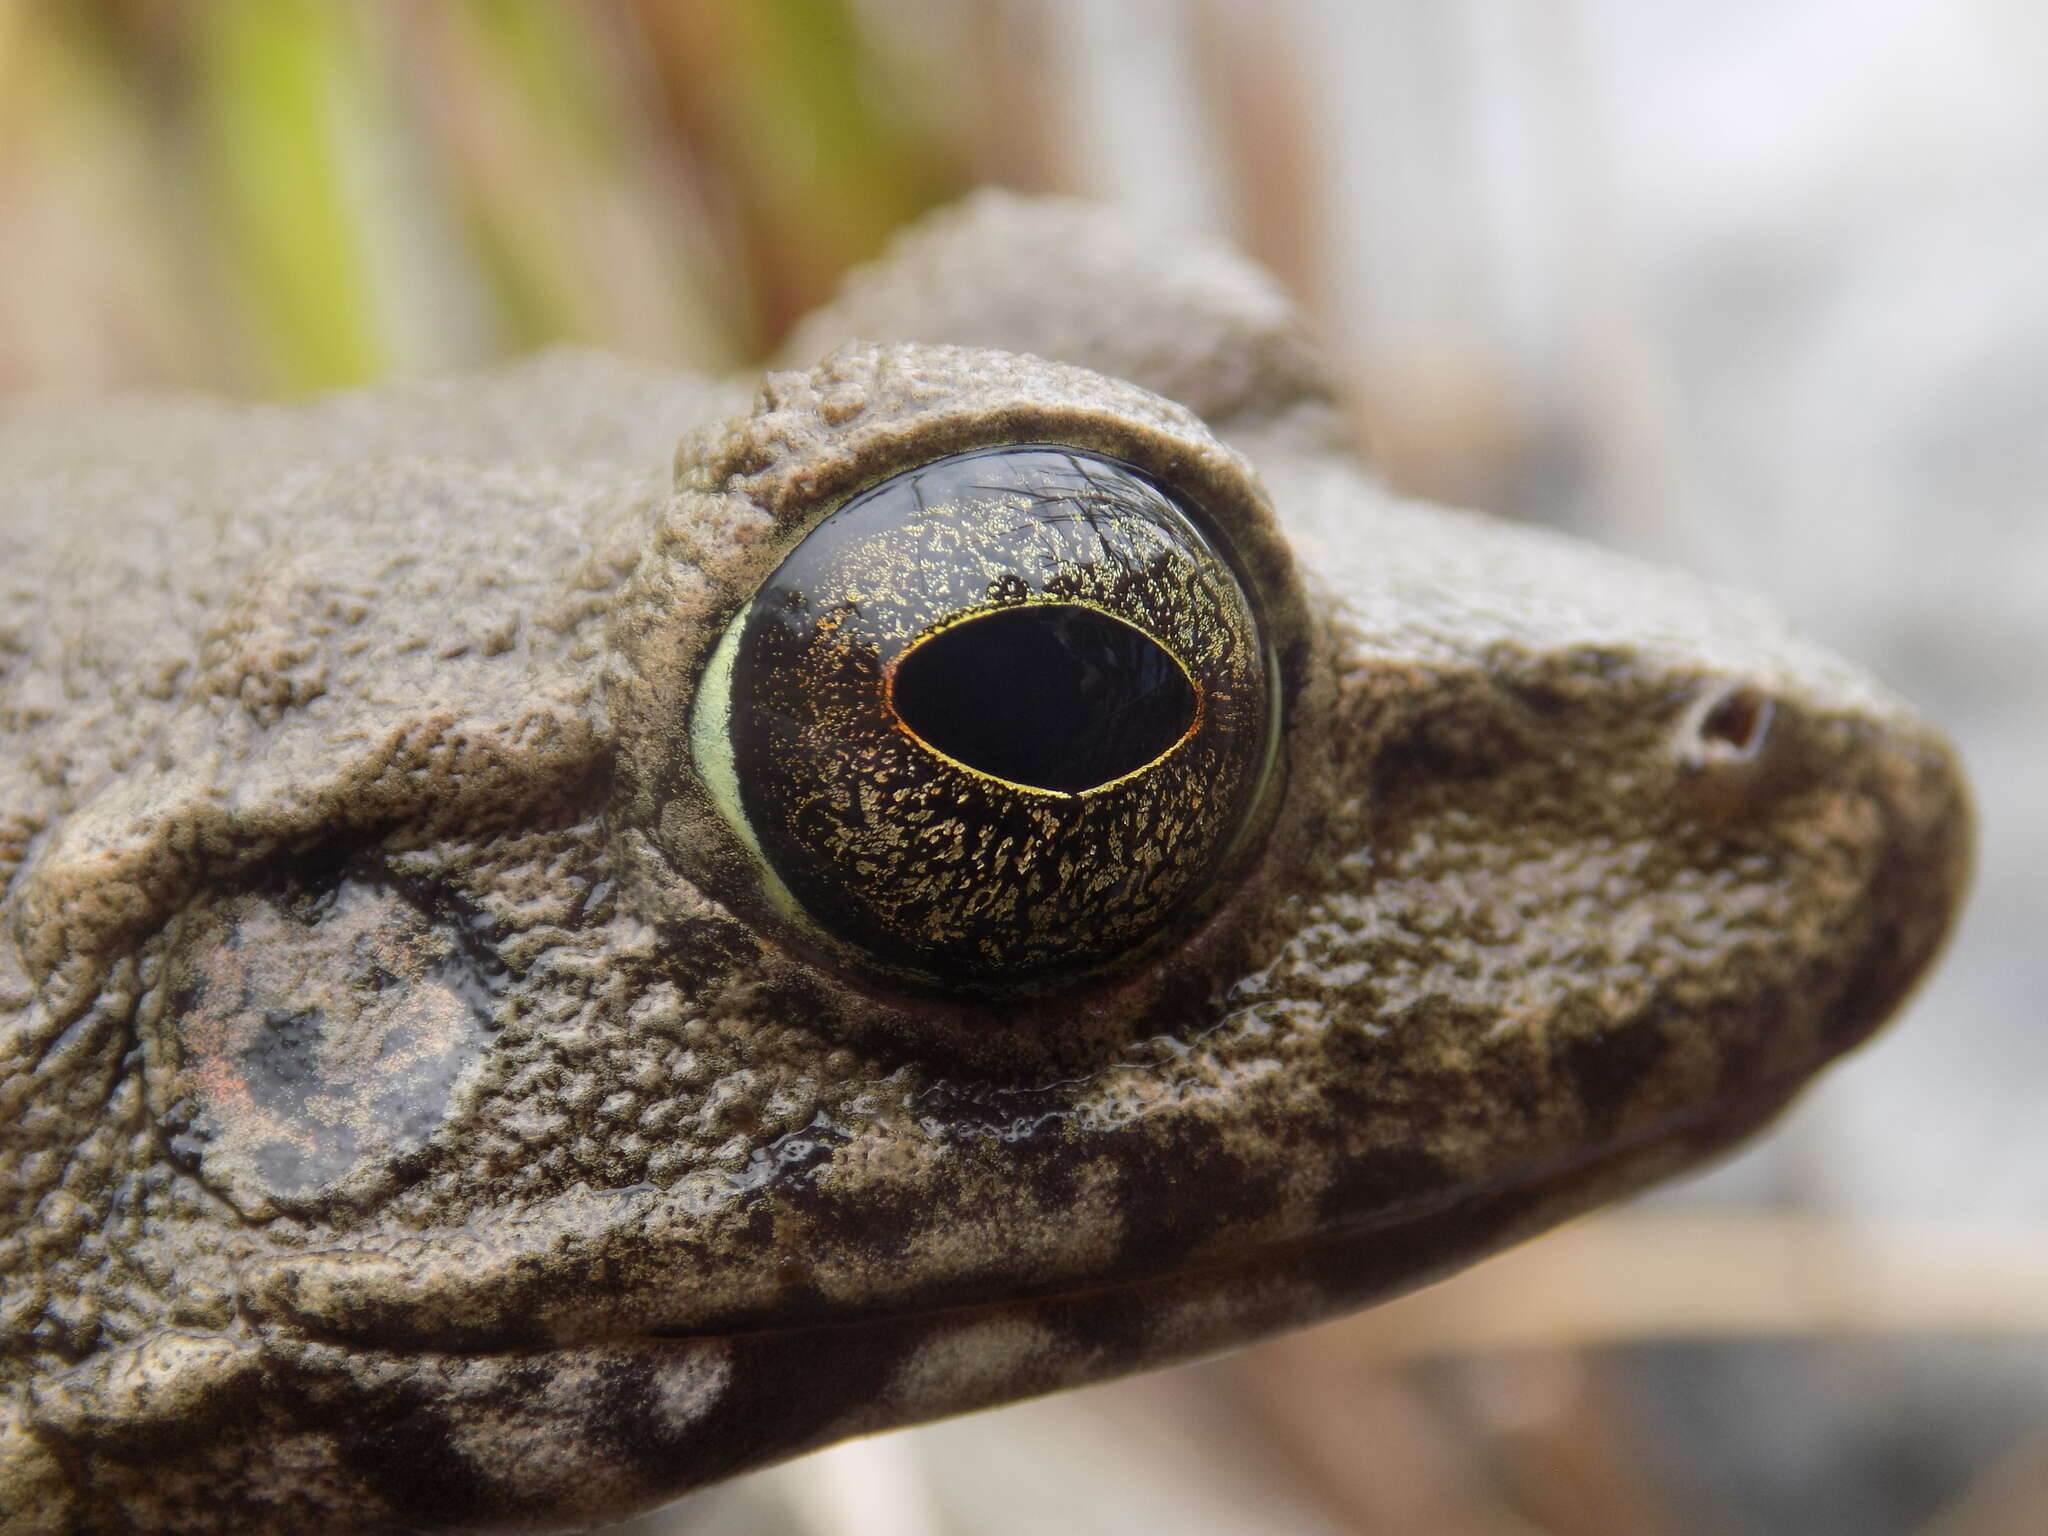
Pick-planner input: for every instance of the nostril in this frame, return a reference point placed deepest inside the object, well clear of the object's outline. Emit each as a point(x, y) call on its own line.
point(1739, 721)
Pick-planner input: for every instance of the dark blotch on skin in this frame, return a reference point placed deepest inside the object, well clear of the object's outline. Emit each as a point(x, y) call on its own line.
point(1470, 739)
point(323, 1032)
point(1903, 934)
point(878, 1221)
point(1379, 1180)
point(399, 1443)
point(1607, 1067)
point(282, 1064)
point(776, 1396)
point(627, 1413)
point(1182, 1183)
point(1115, 1325)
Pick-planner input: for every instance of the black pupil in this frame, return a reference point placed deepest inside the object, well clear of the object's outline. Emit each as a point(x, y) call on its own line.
point(1054, 696)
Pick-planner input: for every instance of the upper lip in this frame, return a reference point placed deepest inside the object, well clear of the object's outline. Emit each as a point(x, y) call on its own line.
point(1717, 1122)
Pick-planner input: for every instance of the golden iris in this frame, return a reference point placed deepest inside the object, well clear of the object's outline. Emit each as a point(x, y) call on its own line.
point(996, 720)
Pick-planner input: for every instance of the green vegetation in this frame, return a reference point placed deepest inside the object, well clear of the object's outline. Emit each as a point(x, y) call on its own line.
point(281, 195)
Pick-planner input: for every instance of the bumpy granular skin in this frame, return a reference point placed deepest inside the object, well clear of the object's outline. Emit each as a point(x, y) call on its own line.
point(399, 1132)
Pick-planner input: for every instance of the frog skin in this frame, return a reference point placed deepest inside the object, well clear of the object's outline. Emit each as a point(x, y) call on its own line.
point(395, 1139)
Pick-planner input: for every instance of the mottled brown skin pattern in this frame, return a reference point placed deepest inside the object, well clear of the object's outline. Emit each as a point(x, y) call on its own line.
point(395, 1138)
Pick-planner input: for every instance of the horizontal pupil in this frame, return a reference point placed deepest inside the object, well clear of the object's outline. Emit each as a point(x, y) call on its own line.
point(1052, 696)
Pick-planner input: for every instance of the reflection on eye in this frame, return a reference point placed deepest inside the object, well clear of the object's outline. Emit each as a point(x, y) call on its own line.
point(996, 720)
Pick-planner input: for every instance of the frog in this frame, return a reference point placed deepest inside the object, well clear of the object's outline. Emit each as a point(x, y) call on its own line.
point(570, 932)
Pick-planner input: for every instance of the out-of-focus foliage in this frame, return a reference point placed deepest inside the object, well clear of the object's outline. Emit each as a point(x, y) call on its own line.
point(264, 195)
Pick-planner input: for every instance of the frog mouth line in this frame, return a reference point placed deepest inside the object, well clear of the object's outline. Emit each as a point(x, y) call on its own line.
point(897, 1367)
point(1261, 1288)
point(1353, 1263)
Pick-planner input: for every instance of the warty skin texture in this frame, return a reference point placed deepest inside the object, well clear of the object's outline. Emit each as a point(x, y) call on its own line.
point(393, 1137)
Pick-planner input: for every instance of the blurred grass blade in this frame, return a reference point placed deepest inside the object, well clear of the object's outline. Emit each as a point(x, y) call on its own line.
point(280, 79)
point(542, 125)
point(784, 109)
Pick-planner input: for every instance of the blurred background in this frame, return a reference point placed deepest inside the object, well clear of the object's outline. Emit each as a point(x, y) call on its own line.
point(1758, 287)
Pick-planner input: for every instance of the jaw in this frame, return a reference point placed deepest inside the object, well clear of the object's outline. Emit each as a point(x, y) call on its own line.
point(466, 1440)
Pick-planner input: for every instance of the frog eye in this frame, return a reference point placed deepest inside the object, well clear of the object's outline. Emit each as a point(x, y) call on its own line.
point(999, 719)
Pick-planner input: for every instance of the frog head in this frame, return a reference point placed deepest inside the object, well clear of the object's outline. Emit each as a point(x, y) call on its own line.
point(570, 982)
